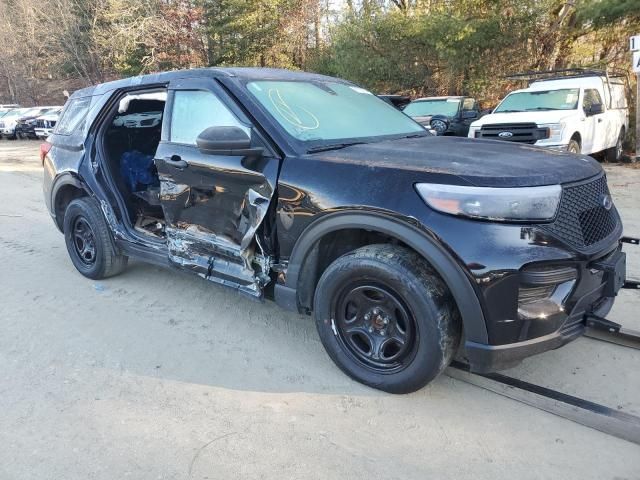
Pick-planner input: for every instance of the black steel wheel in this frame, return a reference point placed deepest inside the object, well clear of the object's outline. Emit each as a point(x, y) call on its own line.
point(375, 326)
point(84, 240)
point(89, 241)
point(386, 318)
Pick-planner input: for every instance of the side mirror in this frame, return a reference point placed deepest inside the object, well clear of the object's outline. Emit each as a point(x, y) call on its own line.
point(469, 114)
point(595, 109)
point(232, 141)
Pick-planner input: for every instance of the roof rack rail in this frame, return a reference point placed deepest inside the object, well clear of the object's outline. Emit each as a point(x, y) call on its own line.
point(533, 76)
point(581, 72)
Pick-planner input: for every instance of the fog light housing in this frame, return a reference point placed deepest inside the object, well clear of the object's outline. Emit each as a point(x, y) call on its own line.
point(544, 291)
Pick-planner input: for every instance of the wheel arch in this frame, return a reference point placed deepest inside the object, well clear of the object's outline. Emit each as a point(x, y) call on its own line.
point(577, 137)
point(66, 188)
point(301, 277)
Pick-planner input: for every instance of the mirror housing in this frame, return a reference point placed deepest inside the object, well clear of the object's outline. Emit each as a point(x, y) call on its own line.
point(232, 141)
point(469, 114)
point(595, 109)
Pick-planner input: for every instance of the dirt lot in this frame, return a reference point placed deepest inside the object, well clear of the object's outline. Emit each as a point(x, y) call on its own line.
point(159, 375)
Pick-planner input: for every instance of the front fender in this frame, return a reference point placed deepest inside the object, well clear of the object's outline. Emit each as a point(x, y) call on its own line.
point(410, 233)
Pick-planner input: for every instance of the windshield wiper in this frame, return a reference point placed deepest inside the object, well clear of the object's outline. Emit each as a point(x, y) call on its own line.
point(540, 109)
point(333, 146)
point(508, 111)
point(415, 135)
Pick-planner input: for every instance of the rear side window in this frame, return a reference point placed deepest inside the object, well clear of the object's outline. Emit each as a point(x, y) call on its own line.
point(591, 97)
point(469, 104)
point(195, 110)
point(72, 115)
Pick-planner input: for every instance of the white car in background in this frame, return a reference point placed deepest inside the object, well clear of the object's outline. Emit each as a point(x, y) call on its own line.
point(580, 112)
point(46, 123)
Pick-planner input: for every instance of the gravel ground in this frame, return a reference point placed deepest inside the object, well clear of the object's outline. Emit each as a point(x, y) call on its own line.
point(160, 375)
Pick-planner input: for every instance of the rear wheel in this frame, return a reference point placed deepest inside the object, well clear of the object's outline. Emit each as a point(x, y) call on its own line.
point(614, 154)
point(386, 318)
point(89, 242)
point(574, 146)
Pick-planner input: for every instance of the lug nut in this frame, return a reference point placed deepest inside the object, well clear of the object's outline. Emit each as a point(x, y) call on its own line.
point(367, 317)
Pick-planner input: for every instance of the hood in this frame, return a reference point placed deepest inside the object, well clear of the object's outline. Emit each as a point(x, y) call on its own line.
point(27, 118)
point(484, 163)
point(423, 119)
point(539, 117)
point(53, 116)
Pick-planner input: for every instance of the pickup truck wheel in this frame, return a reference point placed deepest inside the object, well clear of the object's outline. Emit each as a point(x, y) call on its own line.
point(88, 241)
point(574, 146)
point(614, 154)
point(386, 318)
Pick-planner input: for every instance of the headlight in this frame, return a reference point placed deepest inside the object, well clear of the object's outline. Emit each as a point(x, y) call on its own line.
point(555, 131)
point(503, 204)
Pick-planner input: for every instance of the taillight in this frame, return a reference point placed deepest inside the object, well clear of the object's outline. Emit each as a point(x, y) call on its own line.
point(44, 149)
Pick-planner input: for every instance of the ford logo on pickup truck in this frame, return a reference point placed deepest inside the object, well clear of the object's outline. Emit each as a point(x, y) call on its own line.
point(505, 134)
point(606, 202)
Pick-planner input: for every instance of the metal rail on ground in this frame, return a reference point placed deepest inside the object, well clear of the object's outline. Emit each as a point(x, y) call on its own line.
point(599, 417)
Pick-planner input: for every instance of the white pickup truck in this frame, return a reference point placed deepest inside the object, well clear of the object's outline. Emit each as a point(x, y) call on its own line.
point(583, 113)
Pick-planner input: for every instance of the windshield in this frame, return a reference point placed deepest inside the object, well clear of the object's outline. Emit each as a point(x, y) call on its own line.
point(16, 113)
point(328, 111)
point(563, 99)
point(424, 108)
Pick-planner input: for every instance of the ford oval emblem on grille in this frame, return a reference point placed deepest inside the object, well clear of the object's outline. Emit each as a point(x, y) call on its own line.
point(606, 201)
point(505, 134)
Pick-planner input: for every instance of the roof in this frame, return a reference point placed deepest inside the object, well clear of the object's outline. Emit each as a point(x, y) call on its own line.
point(244, 73)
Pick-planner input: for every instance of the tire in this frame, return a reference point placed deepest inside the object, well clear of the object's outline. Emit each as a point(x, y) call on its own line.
point(614, 154)
point(89, 242)
point(409, 340)
point(574, 146)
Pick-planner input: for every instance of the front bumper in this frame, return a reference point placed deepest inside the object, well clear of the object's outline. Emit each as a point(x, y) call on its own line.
point(490, 358)
point(43, 132)
point(592, 295)
point(561, 147)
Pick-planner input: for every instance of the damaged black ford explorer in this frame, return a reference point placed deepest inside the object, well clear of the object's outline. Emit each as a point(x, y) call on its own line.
point(406, 247)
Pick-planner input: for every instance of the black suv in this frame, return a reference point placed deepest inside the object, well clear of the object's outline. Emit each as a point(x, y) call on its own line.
point(312, 191)
point(445, 115)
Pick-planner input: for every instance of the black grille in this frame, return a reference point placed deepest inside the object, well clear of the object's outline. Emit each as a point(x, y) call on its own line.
point(513, 132)
point(40, 123)
point(582, 219)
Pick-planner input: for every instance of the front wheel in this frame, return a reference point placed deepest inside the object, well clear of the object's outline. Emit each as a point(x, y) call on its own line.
point(89, 242)
point(574, 146)
point(386, 318)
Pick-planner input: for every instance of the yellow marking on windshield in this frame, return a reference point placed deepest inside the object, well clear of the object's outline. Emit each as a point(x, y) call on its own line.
point(290, 115)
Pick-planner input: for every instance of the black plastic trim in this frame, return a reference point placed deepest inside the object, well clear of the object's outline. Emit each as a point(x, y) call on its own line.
point(461, 288)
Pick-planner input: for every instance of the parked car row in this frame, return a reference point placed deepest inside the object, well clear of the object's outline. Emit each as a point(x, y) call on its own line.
point(31, 122)
point(575, 110)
